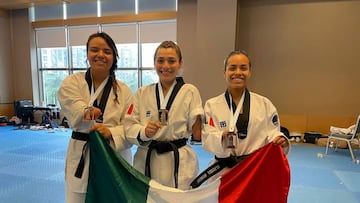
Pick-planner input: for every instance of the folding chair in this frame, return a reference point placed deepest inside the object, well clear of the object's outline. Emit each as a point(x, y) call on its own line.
point(346, 137)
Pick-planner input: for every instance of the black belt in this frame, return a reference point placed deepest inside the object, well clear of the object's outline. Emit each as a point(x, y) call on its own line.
point(81, 165)
point(80, 136)
point(162, 147)
point(215, 168)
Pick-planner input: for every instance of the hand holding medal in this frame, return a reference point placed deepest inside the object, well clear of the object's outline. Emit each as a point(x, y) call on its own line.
point(88, 113)
point(151, 128)
point(91, 113)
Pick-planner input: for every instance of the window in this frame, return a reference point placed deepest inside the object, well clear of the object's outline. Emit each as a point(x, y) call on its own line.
point(53, 62)
point(136, 43)
point(77, 36)
point(78, 57)
point(59, 58)
point(54, 57)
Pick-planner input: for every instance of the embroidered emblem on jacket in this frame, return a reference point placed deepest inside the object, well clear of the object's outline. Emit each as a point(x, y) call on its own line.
point(222, 124)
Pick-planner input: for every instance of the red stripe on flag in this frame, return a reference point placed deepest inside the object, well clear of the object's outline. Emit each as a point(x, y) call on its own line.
point(130, 110)
point(264, 176)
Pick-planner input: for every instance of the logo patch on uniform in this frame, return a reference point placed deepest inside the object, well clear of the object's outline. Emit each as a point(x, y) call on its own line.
point(148, 114)
point(222, 124)
point(275, 120)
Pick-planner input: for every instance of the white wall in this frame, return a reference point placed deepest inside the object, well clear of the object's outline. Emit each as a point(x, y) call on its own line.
point(6, 69)
point(305, 54)
point(206, 34)
point(21, 63)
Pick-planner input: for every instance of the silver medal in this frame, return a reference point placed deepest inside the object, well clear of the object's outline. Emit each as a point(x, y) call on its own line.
point(163, 116)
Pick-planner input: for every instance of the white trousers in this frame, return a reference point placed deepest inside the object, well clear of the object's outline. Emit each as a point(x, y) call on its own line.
point(74, 197)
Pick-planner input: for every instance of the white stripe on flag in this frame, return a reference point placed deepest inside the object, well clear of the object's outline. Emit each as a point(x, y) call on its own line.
point(204, 194)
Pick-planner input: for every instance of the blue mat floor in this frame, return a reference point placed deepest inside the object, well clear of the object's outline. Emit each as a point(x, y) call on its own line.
point(32, 169)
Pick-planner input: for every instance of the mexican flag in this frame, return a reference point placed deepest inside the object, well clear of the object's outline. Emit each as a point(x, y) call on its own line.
point(264, 176)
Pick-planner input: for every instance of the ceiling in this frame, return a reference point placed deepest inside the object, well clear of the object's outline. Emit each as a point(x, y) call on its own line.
point(20, 4)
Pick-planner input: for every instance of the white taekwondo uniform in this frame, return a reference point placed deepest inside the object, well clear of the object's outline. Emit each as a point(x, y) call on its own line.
point(263, 127)
point(74, 97)
point(185, 108)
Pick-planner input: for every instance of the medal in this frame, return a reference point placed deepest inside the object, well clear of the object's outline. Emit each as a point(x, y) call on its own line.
point(231, 140)
point(162, 103)
point(163, 116)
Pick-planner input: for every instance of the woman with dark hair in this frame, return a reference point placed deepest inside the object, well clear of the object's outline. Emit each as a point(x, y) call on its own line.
point(162, 118)
point(93, 100)
point(238, 121)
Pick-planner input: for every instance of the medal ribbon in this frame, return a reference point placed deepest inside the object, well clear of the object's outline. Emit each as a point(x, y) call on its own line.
point(164, 100)
point(94, 95)
point(177, 85)
point(234, 116)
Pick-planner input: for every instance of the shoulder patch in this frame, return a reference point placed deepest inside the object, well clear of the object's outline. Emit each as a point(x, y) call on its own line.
point(148, 114)
point(130, 109)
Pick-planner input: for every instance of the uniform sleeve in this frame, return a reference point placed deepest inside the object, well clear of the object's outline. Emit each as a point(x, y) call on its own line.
point(133, 128)
point(71, 100)
point(119, 141)
point(211, 135)
point(273, 124)
point(196, 108)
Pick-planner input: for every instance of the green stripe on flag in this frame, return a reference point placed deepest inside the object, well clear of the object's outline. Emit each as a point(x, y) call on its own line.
point(112, 178)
